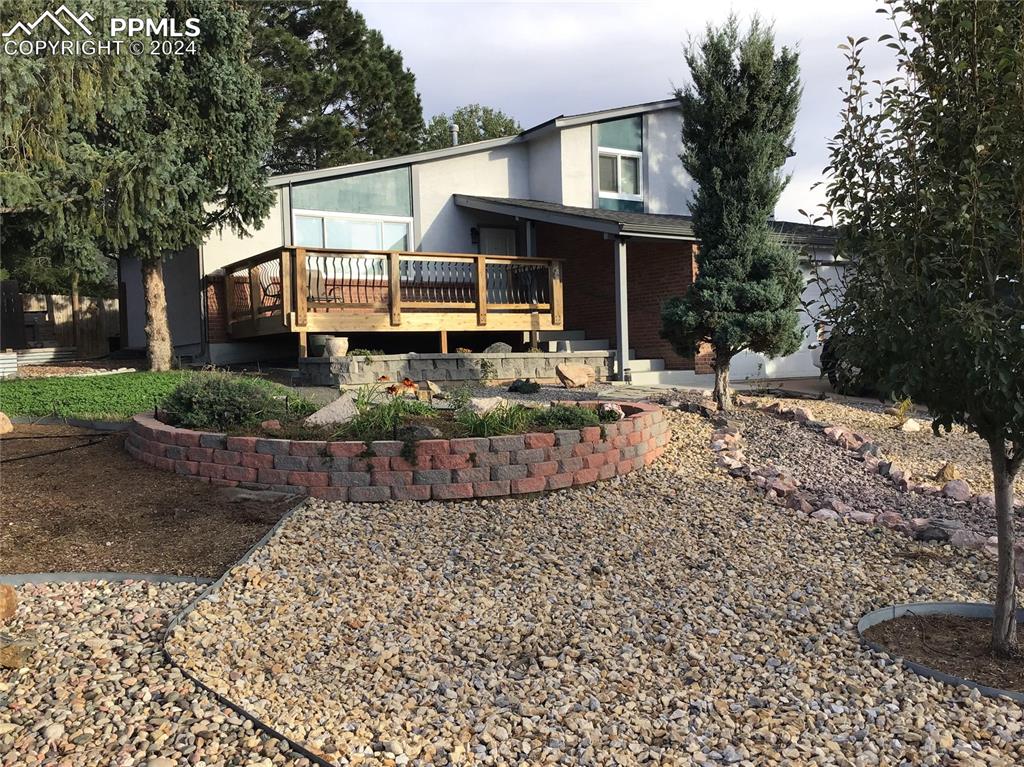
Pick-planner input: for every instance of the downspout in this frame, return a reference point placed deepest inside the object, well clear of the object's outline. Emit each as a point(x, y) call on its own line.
point(204, 314)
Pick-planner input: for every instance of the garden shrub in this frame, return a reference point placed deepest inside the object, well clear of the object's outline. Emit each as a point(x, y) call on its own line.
point(382, 418)
point(565, 417)
point(224, 402)
point(504, 419)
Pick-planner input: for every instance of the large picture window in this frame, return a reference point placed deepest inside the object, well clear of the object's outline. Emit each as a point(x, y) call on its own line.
point(322, 229)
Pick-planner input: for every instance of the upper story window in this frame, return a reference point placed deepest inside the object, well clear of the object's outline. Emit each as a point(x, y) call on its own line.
point(372, 211)
point(620, 164)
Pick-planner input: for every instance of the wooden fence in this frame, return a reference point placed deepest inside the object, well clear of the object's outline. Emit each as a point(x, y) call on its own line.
point(49, 321)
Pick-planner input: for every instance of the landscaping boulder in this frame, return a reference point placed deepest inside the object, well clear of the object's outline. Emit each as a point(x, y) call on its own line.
point(825, 515)
point(336, 346)
point(967, 540)
point(6, 427)
point(15, 653)
point(801, 414)
point(499, 347)
point(484, 405)
point(8, 601)
point(911, 425)
point(938, 530)
point(863, 517)
point(948, 473)
point(575, 376)
point(958, 490)
point(341, 410)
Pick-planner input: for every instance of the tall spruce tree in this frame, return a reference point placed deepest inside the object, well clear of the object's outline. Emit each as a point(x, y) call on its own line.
point(927, 191)
point(738, 117)
point(157, 150)
point(343, 95)
point(476, 123)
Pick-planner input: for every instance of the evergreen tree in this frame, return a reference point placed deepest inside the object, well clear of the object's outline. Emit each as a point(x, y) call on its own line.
point(157, 150)
point(738, 116)
point(343, 95)
point(476, 123)
point(927, 191)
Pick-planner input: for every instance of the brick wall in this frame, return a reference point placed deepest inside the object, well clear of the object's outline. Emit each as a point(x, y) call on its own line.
point(656, 271)
point(216, 321)
point(436, 469)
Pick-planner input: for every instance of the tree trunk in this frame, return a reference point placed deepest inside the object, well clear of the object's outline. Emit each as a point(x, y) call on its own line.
point(76, 313)
point(158, 334)
point(1004, 620)
point(722, 393)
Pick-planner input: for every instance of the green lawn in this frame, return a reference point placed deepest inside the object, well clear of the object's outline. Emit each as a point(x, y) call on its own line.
point(107, 397)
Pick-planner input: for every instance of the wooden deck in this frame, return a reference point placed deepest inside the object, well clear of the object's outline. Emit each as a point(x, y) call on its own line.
point(318, 290)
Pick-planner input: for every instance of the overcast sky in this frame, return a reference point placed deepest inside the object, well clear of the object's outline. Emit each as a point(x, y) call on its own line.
point(536, 60)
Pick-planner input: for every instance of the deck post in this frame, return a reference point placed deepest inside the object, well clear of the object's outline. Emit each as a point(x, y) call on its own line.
point(302, 343)
point(555, 285)
point(286, 284)
point(229, 300)
point(481, 290)
point(254, 294)
point(301, 292)
point(621, 312)
point(395, 288)
point(444, 341)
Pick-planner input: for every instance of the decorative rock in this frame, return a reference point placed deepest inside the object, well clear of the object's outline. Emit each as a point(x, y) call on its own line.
point(433, 388)
point(341, 410)
point(968, 540)
point(611, 407)
point(825, 515)
point(15, 653)
point(911, 425)
point(863, 517)
point(958, 490)
point(6, 427)
point(892, 520)
point(802, 414)
point(8, 601)
point(161, 761)
point(575, 376)
point(484, 405)
point(336, 346)
point(53, 732)
point(948, 473)
point(498, 347)
point(416, 432)
point(271, 424)
point(839, 506)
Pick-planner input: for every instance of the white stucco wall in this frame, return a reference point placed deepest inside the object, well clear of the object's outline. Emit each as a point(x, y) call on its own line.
point(545, 157)
point(577, 154)
point(226, 247)
point(668, 186)
point(800, 364)
point(439, 224)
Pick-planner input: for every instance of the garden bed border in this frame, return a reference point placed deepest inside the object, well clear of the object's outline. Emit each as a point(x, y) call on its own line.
point(433, 469)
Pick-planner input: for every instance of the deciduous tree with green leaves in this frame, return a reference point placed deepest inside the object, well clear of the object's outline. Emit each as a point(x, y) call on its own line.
point(476, 123)
point(343, 95)
point(738, 117)
point(926, 188)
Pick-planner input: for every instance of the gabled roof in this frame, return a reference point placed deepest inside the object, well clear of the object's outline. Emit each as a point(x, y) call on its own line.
point(562, 121)
point(627, 224)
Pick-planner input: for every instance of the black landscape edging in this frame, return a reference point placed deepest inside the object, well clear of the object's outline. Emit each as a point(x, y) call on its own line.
point(173, 623)
point(20, 579)
point(961, 609)
point(81, 423)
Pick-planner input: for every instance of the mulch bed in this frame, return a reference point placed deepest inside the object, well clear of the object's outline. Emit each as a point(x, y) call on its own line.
point(94, 508)
point(951, 644)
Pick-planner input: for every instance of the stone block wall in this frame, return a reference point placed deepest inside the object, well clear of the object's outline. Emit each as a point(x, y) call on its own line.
point(540, 366)
point(434, 469)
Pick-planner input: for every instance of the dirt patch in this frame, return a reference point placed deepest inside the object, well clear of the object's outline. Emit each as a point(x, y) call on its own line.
point(91, 507)
point(954, 645)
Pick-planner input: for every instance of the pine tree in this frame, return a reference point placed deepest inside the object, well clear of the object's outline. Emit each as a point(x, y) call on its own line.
point(158, 150)
point(476, 123)
point(738, 117)
point(343, 95)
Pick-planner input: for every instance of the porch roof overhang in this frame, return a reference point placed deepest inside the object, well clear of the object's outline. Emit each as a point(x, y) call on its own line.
point(626, 224)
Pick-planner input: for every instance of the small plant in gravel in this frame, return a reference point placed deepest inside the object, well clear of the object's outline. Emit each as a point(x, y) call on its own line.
point(524, 386)
point(224, 402)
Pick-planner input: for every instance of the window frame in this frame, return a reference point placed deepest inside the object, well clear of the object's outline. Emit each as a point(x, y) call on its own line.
point(618, 154)
point(380, 220)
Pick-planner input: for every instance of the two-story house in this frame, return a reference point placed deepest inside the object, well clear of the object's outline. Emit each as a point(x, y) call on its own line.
point(570, 235)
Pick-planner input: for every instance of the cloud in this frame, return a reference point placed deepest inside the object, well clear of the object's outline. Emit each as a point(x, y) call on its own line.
point(536, 60)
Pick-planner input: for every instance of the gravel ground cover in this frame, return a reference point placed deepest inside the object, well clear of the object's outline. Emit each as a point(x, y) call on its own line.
point(827, 471)
point(99, 693)
point(922, 452)
point(668, 617)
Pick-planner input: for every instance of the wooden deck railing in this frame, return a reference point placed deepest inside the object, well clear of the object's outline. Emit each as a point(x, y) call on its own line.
point(323, 290)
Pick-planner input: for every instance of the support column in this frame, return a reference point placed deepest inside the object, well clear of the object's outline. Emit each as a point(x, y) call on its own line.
point(622, 372)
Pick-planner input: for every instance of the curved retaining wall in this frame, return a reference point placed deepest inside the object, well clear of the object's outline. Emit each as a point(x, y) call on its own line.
point(438, 469)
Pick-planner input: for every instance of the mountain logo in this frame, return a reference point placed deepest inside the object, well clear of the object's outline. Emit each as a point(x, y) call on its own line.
point(70, 20)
